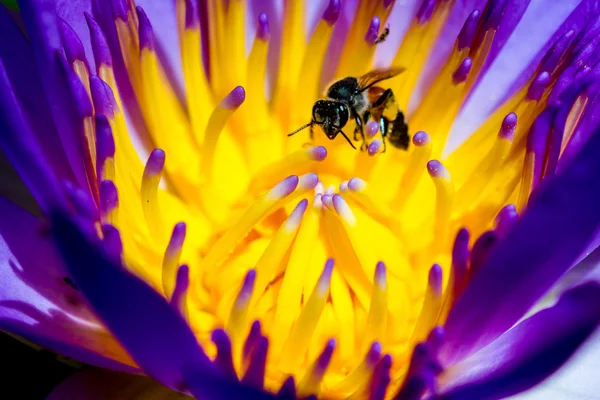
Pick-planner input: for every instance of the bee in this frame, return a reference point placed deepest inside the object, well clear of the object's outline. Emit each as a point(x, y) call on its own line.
point(359, 99)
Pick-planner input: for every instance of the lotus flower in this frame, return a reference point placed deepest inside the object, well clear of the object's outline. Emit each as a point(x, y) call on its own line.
point(178, 232)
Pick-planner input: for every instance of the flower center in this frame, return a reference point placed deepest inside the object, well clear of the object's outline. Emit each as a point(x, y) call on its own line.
point(324, 250)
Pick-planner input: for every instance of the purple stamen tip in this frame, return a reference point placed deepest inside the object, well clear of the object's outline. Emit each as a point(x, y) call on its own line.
point(156, 162)
point(375, 147)
point(328, 267)
point(325, 357)
point(105, 143)
point(327, 201)
point(183, 278)
point(509, 124)
point(387, 3)
point(556, 52)
point(249, 280)
point(235, 98)
point(538, 86)
point(112, 241)
point(99, 44)
point(462, 72)
point(145, 30)
point(308, 181)
point(102, 101)
point(71, 42)
point(178, 236)
point(372, 129)
point(436, 338)
point(192, 16)
point(505, 220)
point(425, 11)
point(421, 138)
point(435, 168)
point(380, 273)
point(493, 13)
point(468, 31)
point(82, 202)
point(373, 31)
point(109, 198)
point(120, 9)
point(318, 153)
point(332, 12)
point(435, 279)
point(262, 30)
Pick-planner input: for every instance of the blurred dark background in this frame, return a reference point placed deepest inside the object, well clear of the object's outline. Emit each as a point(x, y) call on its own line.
point(30, 372)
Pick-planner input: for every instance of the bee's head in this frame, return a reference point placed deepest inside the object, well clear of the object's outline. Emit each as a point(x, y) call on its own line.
point(331, 116)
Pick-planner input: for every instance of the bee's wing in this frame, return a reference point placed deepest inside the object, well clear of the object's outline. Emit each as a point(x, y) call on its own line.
point(371, 78)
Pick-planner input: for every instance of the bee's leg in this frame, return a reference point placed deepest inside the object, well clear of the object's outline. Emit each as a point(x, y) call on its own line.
point(359, 127)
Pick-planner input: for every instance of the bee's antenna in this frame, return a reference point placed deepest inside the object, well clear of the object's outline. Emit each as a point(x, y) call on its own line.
point(301, 128)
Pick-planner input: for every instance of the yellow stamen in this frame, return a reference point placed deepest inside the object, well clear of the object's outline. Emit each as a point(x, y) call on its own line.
point(527, 181)
point(298, 340)
point(444, 200)
point(237, 323)
point(431, 305)
point(269, 262)
point(149, 192)
point(171, 258)
point(216, 123)
point(263, 206)
point(377, 319)
point(415, 169)
point(311, 383)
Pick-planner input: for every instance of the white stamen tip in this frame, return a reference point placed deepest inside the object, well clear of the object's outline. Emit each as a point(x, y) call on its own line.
point(308, 181)
point(283, 188)
point(296, 216)
point(344, 186)
point(357, 185)
point(320, 188)
point(327, 201)
point(343, 209)
point(325, 279)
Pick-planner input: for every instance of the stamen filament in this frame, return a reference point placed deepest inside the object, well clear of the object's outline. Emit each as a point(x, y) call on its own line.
point(415, 169)
point(444, 200)
point(431, 305)
point(237, 322)
point(216, 123)
point(299, 338)
point(310, 384)
point(149, 192)
point(171, 258)
point(267, 265)
point(377, 318)
point(179, 298)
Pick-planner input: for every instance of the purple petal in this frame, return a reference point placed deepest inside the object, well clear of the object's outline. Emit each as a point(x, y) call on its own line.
point(557, 227)
point(41, 23)
point(38, 299)
point(17, 56)
point(164, 23)
point(153, 333)
point(516, 61)
point(20, 147)
point(72, 12)
point(528, 353)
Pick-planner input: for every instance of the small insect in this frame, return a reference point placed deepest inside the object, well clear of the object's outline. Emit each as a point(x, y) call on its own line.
point(383, 35)
point(359, 99)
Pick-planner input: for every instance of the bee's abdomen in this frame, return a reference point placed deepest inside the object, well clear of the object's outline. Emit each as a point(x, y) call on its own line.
point(398, 132)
